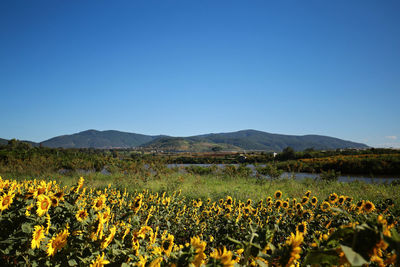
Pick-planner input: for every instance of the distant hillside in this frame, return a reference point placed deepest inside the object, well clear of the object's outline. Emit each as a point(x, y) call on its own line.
point(233, 141)
point(99, 139)
point(5, 142)
point(178, 144)
point(257, 140)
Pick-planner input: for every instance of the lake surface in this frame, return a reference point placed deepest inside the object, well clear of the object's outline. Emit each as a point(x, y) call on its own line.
point(304, 175)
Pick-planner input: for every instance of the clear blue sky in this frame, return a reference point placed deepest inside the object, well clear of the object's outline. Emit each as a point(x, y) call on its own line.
point(191, 67)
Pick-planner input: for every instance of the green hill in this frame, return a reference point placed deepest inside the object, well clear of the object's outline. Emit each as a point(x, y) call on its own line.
point(179, 144)
point(258, 140)
point(99, 139)
point(233, 141)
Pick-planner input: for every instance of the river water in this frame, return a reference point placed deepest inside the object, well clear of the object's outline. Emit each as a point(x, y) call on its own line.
point(303, 175)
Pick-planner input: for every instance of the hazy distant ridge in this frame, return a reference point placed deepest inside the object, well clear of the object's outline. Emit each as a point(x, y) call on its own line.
point(240, 140)
point(99, 139)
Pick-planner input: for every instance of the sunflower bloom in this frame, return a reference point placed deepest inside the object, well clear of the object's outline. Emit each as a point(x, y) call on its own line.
point(294, 242)
point(99, 202)
point(81, 215)
point(37, 236)
point(278, 194)
point(6, 200)
point(167, 244)
point(109, 238)
point(57, 242)
point(43, 204)
point(368, 206)
point(223, 256)
point(99, 261)
point(199, 247)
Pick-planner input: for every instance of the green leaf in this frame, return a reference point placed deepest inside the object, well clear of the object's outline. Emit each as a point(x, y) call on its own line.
point(72, 262)
point(328, 257)
point(26, 228)
point(353, 257)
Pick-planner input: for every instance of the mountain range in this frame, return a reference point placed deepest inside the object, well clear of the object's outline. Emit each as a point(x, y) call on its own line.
point(232, 141)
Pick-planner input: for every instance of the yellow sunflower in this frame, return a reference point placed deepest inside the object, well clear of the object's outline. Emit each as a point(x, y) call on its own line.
point(368, 206)
point(81, 215)
point(167, 244)
point(99, 261)
point(304, 200)
point(278, 204)
point(6, 200)
point(43, 205)
point(99, 203)
point(302, 228)
point(294, 241)
point(325, 206)
point(333, 198)
point(109, 238)
point(341, 200)
point(278, 194)
point(57, 242)
point(314, 201)
point(228, 201)
point(199, 247)
point(37, 236)
point(223, 256)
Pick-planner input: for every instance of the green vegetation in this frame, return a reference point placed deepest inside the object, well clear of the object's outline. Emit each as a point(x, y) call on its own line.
point(48, 217)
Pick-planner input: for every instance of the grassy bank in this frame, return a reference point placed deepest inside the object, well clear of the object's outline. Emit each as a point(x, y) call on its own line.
point(219, 186)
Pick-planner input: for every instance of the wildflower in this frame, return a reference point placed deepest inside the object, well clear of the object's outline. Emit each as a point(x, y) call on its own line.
point(341, 200)
point(48, 223)
point(156, 262)
point(81, 215)
point(294, 241)
point(43, 204)
point(109, 238)
point(80, 184)
point(223, 256)
point(248, 202)
point(333, 198)
point(59, 195)
point(308, 193)
point(37, 236)
point(137, 203)
point(199, 247)
point(166, 201)
point(167, 244)
point(304, 200)
point(142, 261)
point(99, 202)
point(278, 204)
point(325, 206)
point(314, 201)
point(368, 206)
point(278, 194)
point(99, 261)
point(54, 201)
point(285, 204)
point(302, 228)
point(6, 200)
point(299, 206)
point(57, 242)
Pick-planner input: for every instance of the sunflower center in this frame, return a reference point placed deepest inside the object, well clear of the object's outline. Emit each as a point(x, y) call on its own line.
point(6, 200)
point(44, 205)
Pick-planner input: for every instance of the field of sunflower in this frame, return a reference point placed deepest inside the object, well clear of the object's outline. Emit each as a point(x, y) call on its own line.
point(45, 224)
